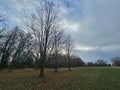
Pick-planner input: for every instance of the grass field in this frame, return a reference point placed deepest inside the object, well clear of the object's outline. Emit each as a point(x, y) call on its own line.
point(84, 78)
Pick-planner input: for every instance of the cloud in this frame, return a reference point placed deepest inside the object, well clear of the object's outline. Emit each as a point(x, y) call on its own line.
point(15, 10)
point(71, 26)
point(102, 22)
point(100, 34)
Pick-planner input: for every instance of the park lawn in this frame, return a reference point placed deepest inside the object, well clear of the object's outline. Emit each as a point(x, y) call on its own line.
point(83, 78)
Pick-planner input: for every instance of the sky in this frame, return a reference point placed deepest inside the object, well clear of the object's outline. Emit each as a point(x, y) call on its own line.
point(93, 24)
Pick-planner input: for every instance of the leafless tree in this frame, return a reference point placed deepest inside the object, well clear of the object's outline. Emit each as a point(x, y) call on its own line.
point(101, 62)
point(2, 18)
point(116, 61)
point(8, 44)
point(58, 46)
point(23, 47)
point(69, 49)
point(42, 24)
point(1, 33)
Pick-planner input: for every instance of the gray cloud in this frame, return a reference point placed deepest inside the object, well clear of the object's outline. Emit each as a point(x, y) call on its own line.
point(100, 28)
point(101, 25)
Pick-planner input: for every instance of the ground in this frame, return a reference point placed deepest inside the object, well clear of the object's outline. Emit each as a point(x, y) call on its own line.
point(83, 78)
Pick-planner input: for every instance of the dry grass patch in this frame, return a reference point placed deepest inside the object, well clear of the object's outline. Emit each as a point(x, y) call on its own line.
point(28, 79)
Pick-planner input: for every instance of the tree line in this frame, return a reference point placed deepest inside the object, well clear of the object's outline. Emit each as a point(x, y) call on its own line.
point(18, 50)
point(115, 61)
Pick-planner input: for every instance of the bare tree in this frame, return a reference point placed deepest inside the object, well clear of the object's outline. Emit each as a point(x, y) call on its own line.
point(101, 62)
point(2, 31)
point(22, 49)
point(2, 18)
point(68, 49)
point(8, 44)
point(116, 61)
point(58, 46)
point(42, 24)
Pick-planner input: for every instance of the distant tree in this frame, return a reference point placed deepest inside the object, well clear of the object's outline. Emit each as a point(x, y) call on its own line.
point(77, 61)
point(90, 64)
point(58, 46)
point(68, 49)
point(116, 61)
point(62, 62)
point(101, 62)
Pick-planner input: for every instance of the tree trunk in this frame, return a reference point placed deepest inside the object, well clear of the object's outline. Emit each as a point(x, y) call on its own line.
point(56, 62)
point(3, 62)
point(56, 67)
point(69, 64)
point(41, 71)
point(42, 66)
point(69, 67)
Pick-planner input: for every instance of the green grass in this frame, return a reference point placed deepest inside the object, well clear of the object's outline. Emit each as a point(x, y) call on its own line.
point(84, 78)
